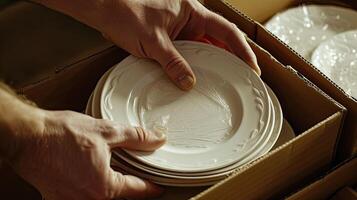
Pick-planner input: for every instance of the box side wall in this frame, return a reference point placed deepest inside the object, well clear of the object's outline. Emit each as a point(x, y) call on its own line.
point(71, 87)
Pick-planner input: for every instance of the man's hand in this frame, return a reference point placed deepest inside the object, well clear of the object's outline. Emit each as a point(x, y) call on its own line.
point(66, 155)
point(146, 28)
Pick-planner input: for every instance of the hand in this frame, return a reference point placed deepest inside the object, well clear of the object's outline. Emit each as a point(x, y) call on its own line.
point(66, 155)
point(146, 28)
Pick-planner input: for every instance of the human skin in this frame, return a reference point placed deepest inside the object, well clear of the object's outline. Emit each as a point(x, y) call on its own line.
point(146, 28)
point(65, 154)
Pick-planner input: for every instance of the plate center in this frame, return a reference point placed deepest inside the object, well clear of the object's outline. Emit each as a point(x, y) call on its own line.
point(194, 121)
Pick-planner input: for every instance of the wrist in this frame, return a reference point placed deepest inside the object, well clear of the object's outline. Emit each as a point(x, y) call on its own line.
point(19, 124)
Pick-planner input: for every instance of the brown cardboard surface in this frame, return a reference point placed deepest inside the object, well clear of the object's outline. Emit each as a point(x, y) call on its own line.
point(346, 193)
point(325, 187)
point(264, 10)
point(36, 42)
point(52, 93)
point(315, 117)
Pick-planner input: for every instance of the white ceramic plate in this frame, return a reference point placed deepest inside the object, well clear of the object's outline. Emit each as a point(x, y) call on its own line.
point(88, 110)
point(123, 167)
point(266, 144)
point(220, 121)
point(304, 28)
point(96, 94)
point(337, 59)
point(287, 134)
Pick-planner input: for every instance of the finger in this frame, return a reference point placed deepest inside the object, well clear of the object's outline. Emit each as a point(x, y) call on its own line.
point(176, 67)
point(127, 186)
point(227, 32)
point(135, 138)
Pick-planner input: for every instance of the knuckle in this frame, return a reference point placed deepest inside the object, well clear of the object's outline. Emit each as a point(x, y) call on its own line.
point(175, 66)
point(106, 128)
point(141, 134)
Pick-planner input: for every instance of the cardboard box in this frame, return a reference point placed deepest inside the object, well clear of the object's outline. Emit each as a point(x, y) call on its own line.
point(315, 117)
point(326, 187)
point(262, 11)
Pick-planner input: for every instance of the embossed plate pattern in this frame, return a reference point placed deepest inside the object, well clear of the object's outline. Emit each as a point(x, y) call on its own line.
point(219, 122)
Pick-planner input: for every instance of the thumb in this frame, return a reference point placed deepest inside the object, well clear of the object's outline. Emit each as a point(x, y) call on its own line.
point(127, 186)
point(175, 66)
point(135, 138)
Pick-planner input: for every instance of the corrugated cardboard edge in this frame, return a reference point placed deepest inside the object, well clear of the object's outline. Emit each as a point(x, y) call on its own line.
point(329, 183)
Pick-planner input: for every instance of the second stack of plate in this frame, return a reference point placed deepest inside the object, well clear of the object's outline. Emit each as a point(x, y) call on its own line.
point(228, 119)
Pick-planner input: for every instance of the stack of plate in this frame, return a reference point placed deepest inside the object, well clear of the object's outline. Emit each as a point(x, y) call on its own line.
point(324, 35)
point(228, 119)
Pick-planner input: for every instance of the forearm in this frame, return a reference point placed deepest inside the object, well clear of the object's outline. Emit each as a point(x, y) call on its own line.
point(17, 120)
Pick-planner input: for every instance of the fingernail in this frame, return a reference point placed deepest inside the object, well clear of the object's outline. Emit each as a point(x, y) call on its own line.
point(186, 82)
point(256, 69)
point(259, 72)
